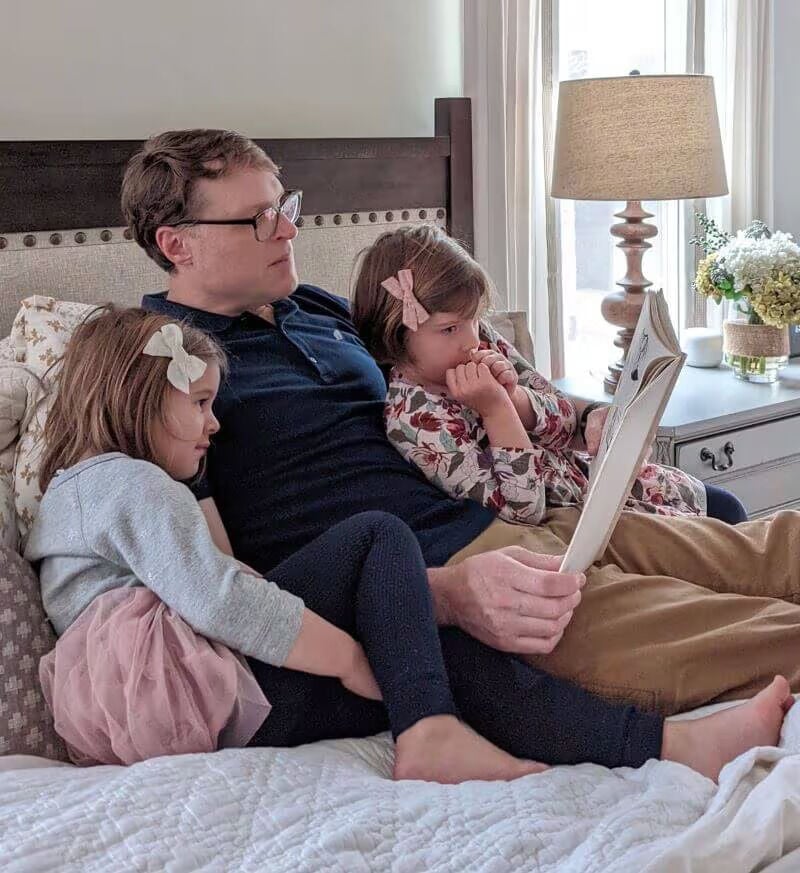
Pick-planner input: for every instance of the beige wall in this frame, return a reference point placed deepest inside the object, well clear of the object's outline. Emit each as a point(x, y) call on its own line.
point(94, 69)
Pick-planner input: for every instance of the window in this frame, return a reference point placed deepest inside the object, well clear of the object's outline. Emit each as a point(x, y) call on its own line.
point(611, 39)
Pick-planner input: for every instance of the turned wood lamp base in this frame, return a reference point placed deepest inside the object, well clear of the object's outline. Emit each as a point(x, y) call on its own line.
point(621, 308)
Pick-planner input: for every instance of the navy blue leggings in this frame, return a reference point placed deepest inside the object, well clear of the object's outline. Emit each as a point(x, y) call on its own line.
point(723, 505)
point(367, 576)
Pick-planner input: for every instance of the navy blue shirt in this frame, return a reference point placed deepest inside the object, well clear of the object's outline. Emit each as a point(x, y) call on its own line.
point(302, 443)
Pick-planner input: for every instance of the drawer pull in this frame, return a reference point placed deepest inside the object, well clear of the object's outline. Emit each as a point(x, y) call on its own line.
point(706, 455)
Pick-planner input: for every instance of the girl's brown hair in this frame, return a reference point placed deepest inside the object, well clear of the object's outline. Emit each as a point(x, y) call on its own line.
point(446, 279)
point(108, 393)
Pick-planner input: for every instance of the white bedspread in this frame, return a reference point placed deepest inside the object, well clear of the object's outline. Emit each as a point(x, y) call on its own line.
point(330, 806)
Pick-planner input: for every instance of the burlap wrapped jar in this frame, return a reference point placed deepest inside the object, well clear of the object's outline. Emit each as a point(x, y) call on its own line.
point(755, 352)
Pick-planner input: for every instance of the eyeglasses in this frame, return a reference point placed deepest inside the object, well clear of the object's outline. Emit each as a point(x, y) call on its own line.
point(265, 223)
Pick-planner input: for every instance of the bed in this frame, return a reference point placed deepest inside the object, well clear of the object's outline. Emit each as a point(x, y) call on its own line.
point(332, 805)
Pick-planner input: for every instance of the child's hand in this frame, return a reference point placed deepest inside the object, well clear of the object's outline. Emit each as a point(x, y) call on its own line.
point(474, 385)
point(594, 429)
point(501, 368)
point(359, 677)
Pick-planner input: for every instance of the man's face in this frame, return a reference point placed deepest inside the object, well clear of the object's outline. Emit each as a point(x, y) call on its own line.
point(227, 262)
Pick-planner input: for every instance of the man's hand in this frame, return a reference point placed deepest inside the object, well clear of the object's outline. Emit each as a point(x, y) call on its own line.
point(511, 599)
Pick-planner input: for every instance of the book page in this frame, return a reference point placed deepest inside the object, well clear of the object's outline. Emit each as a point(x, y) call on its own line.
point(654, 344)
point(618, 469)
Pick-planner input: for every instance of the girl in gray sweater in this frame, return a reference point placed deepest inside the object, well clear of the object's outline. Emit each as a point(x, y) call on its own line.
point(342, 638)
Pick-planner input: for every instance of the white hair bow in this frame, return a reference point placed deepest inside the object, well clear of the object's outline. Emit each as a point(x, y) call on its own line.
point(184, 368)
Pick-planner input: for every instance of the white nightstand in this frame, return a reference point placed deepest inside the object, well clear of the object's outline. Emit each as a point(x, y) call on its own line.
point(738, 435)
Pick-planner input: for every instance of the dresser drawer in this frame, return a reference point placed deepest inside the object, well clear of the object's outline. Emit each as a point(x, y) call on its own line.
point(767, 489)
point(762, 444)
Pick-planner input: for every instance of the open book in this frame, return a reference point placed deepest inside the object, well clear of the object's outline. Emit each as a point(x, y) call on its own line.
point(652, 367)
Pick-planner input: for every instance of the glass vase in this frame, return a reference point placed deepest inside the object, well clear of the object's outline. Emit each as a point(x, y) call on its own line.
point(756, 368)
point(755, 352)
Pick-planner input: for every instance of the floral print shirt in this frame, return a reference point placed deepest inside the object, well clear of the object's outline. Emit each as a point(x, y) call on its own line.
point(449, 444)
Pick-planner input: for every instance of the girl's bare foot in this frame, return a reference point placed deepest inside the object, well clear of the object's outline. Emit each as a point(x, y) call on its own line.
point(442, 749)
point(707, 744)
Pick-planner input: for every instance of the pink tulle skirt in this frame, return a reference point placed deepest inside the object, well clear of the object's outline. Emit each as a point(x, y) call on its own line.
point(130, 680)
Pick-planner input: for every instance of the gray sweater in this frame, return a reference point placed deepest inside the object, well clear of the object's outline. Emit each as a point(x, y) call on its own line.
point(112, 522)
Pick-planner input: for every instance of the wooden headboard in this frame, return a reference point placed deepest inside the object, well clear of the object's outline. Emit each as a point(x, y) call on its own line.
point(61, 230)
point(51, 185)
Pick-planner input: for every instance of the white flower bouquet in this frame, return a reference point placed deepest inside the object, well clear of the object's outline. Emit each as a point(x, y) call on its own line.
point(757, 269)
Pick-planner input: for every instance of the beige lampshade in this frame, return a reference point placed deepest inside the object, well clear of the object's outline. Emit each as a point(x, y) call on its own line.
point(638, 138)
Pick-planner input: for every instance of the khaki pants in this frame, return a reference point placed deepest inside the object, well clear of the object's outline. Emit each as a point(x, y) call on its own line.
point(678, 612)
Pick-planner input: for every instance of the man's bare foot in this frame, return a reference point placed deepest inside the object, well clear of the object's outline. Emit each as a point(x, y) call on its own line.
point(442, 749)
point(707, 744)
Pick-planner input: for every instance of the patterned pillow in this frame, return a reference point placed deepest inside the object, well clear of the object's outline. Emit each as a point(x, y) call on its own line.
point(26, 727)
point(9, 530)
point(42, 329)
point(27, 458)
point(40, 334)
point(18, 383)
point(7, 350)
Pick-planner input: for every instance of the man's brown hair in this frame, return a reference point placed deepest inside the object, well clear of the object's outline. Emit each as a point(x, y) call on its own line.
point(446, 279)
point(159, 183)
point(108, 393)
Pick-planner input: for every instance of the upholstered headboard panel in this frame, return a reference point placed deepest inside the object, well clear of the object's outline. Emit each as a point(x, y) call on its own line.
point(60, 222)
point(97, 265)
point(87, 272)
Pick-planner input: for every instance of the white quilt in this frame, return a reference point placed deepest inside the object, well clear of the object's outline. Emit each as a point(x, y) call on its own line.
point(331, 807)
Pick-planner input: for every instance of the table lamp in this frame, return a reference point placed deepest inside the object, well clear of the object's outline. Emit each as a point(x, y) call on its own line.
point(636, 138)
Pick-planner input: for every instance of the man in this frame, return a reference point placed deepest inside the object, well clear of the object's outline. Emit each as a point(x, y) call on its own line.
point(302, 446)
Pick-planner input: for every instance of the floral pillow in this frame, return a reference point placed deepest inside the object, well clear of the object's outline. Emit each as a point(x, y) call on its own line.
point(39, 335)
point(7, 350)
point(26, 726)
point(17, 383)
point(42, 329)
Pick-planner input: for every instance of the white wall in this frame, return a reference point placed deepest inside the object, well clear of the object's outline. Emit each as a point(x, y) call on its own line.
point(787, 116)
point(94, 69)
